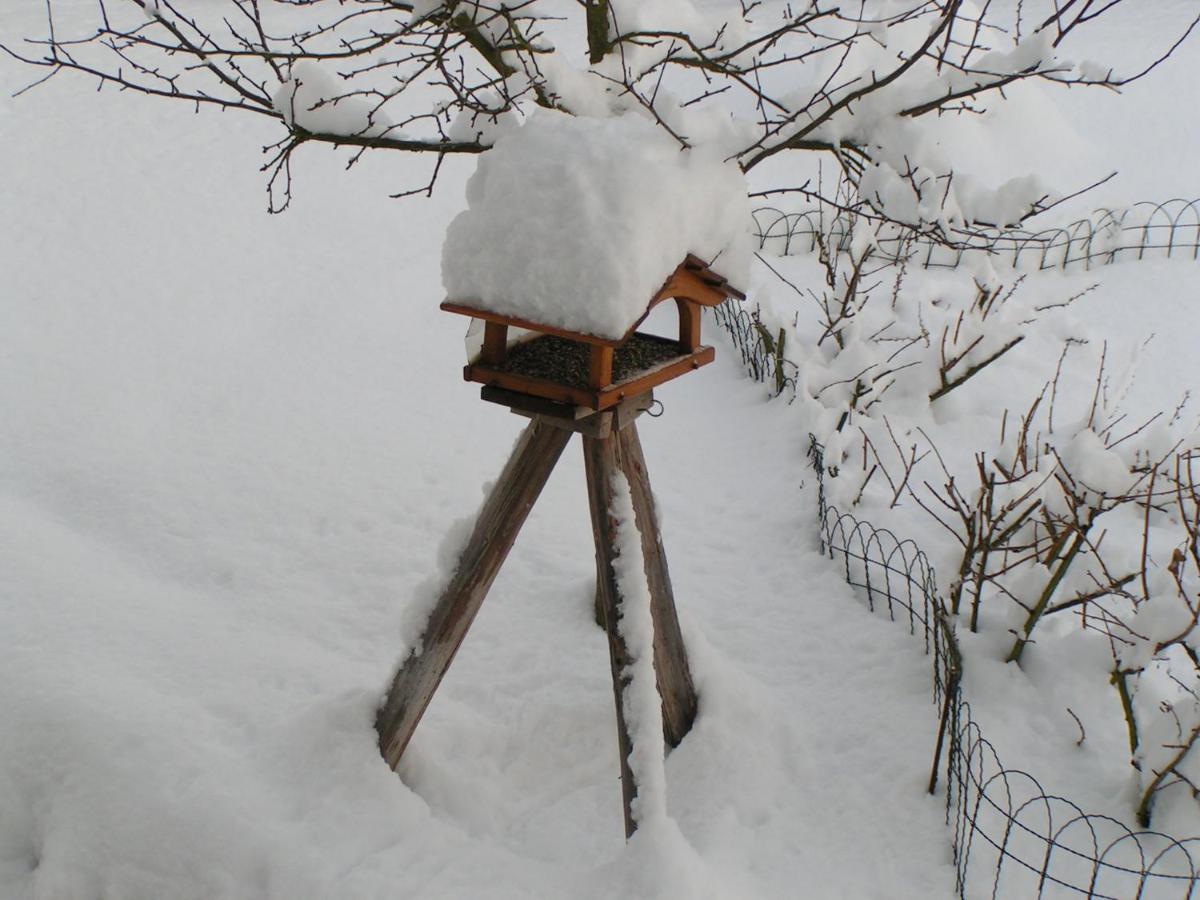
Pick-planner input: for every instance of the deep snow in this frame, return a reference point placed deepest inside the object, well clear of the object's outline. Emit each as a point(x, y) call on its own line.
point(232, 444)
point(577, 222)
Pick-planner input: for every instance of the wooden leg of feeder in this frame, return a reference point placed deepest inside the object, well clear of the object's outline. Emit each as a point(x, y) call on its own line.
point(598, 602)
point(670, 658)
point(501, 517)
point(600, 460)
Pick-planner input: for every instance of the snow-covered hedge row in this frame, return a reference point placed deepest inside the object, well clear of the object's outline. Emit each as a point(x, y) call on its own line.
point(1010, 836)
point(970, 407)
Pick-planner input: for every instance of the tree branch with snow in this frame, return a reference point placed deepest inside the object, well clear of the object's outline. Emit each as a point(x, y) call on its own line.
point(865, 85)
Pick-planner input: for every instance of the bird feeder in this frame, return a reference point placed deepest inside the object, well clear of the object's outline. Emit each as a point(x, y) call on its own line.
point(596, 373)
point(570, 382)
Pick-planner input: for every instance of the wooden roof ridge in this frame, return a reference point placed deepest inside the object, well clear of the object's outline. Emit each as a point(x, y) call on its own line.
point(713, 279)
point(714, 288)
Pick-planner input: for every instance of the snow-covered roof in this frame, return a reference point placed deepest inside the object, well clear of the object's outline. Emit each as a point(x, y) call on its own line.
point(576, 223)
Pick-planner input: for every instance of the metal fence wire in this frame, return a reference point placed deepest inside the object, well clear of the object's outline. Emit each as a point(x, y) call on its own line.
point(761, 353)
point(1011, 840)
point(1144, 230)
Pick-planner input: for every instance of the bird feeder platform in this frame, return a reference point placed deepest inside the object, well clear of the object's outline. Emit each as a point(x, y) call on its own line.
point(584, 370)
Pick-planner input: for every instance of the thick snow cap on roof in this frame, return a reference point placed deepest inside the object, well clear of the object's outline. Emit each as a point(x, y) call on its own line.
point(576, 223)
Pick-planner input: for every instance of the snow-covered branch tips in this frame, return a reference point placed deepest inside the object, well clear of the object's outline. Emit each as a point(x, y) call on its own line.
point(863, 84)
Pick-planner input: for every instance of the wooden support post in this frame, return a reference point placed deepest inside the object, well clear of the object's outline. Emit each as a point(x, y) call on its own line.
point(600, 461)
point(495, 343)
point(674, 677)
point(600, 365)
point(502, 515)
point(689, 324)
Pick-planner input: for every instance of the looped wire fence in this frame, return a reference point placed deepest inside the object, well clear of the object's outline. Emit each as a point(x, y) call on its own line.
point(1010, 838)
point(1145, 230)
point(761, 352)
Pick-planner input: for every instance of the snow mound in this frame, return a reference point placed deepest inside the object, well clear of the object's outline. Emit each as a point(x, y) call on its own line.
point(576, 222)
point(320, 101)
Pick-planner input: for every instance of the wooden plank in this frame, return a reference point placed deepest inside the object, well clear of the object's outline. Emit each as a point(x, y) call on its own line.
point(496, 528)
point(671, 668)
point(597, 425)
point(698, 283)
point(692, 279)
point(600, 461)
point(529, 405)
point(652, 378)
point(596, 400)
point(626, 412)
point(700, 268)
point(488, 316)
point(688, 284)
point(537, 387)
point(572, 418)
point(704, 288)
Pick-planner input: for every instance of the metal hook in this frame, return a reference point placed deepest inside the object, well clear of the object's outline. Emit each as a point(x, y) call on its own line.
point(661, 409)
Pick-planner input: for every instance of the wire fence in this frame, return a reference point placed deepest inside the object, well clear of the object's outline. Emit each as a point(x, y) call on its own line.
point(1010, 838)
point(1144, 230)
point(761, 352)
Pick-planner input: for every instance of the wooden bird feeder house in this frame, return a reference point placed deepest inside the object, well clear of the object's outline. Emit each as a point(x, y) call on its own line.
point(583, 370)
point(571, 382)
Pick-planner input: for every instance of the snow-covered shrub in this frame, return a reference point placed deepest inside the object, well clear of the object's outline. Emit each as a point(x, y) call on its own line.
point(1049, 511)
point(1157, 667)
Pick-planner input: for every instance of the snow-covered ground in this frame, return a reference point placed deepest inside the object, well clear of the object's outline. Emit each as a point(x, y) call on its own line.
point(231, 445)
